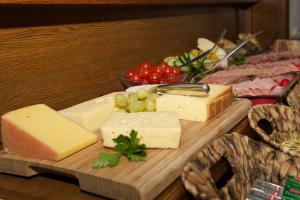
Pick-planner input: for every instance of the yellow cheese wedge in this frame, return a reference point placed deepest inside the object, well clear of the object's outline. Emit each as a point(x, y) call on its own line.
point(40, 132)
point(91, 114)
point(156, 129)
point(197, 108)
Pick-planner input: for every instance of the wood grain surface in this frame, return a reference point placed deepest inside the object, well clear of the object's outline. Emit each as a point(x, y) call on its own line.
point(133, 180)
point(62, 65)
point(127, 2)
point(271, 17)
point(65, 54)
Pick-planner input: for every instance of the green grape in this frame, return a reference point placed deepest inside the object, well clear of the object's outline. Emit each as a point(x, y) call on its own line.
point(132, 97)
point(150, 105)
point(153, 96)
point(138, 106)
point(142, 94)
point(120, 100)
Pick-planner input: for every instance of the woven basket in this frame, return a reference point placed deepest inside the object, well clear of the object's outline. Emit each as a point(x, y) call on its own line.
point(283, 121)
point(248, 159)
point(293, 98)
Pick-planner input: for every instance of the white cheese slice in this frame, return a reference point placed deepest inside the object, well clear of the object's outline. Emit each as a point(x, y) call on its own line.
point(91, 114)
point(196, 108)
point(156, 129)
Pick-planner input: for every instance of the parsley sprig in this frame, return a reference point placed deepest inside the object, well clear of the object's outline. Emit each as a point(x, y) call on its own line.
point(130, 147)
point(106, 159)
point(127, 146)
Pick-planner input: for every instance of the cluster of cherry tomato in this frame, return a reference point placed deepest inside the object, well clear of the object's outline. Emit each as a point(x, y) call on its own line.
point(147, 74)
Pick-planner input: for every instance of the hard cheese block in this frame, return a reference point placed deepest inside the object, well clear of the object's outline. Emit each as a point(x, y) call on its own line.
point(40, 132)
point(156, 129)
point(91, 114)
point(197, 108)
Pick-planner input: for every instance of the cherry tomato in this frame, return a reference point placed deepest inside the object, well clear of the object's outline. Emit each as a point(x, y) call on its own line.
point(163, 81)
point(168, 71)
point(172, 79)
point(158, 69)
point(135, 79)
point(164, 65)
point(175, 71)
point(284, 83)
point(129, 73)
point(144, 73)
point(144, 65)
point(154, 78)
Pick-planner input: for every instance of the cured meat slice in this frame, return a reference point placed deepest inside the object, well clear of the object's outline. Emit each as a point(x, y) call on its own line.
point(256, 87)
point(273, 56)
point(232, 75)
point(279, 78)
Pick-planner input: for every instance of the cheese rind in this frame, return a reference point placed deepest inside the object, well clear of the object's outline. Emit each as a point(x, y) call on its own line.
point(156, 129)
point(196, 108)
point(91, 114)
point(40, 132)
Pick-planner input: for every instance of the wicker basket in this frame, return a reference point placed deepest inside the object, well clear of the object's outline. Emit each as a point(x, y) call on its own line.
point(293, 98)
point(275, 124)
point(248, 159)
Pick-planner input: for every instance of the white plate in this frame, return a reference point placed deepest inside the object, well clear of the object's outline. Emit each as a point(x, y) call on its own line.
point(135, 88)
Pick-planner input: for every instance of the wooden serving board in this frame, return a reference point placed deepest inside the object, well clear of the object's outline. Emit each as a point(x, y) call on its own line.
point(132, 180)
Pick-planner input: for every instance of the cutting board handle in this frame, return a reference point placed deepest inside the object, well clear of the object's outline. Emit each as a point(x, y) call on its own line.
point(15, 167)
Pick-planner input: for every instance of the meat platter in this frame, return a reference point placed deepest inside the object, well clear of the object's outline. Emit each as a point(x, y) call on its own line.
point(280, 93)
point(265, 75)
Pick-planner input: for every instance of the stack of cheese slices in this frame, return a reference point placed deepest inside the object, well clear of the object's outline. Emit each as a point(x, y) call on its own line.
point(41, 132)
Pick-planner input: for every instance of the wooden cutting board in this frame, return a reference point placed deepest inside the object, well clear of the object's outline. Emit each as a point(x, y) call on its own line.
point(132, 180)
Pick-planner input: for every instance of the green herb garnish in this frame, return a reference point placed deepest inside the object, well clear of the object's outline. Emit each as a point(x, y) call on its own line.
point(106, 159)
point(234, 98)
point(130, 147)
point(127, 146)
point(238, 60)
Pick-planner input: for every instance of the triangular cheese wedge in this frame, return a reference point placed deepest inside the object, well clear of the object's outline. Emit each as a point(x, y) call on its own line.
point(40, 132)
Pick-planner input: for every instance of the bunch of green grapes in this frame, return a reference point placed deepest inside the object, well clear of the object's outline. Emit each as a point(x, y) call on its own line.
point(139, 101)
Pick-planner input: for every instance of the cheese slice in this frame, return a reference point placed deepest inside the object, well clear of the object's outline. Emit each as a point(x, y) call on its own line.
point(91, 114)
point(156, 129)
point(197, 108)
point(40, 132)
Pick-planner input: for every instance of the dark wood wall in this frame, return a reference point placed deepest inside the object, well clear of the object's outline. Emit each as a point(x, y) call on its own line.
point(271, 16)
point(65, 54)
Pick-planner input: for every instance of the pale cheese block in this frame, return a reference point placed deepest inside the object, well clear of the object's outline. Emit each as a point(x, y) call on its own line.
point(156, 129)
point(197, 108)
point(40, 132)
point(91, 114)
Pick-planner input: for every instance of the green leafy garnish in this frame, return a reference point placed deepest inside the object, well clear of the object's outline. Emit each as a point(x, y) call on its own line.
point(127, 146)
point(238, 60)
point(234, 98)
point(130, 147)
point(106, 159)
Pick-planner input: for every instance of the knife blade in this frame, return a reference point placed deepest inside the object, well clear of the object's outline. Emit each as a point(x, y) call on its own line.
point(186, 89)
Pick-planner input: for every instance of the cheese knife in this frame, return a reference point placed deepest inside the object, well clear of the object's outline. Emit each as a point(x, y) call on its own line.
point(186, 89)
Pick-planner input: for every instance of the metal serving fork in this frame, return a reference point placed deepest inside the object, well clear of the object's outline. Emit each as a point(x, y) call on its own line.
point(208, 52)
point(193, 80)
